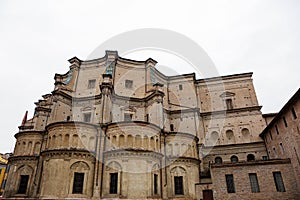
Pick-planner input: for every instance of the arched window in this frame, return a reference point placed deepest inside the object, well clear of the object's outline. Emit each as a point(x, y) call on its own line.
point(129, 141)
point(246, 135)
point(250, 157)
point(66, 141)
point(138, 141)
point(83, 141)
point(230, 136)
point(75, 140)
point(114, 141)
point(79, 172)
point(218, 160)
point(37, 147)
point(53, 141)
point(214, 136)
point(121, 140)
point(234, 159)
point(179, 180)
point(29, 148)
point(92, 143)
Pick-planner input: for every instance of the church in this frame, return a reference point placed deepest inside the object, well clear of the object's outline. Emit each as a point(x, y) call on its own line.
point(115, 128)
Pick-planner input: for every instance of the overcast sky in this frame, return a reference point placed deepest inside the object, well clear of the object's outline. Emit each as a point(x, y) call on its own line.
point(38, 37)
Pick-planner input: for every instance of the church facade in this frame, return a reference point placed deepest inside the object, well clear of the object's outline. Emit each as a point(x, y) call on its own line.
point(119, 128)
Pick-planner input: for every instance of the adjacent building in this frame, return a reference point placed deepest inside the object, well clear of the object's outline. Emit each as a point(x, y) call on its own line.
point(119, 128)
point(3, 167)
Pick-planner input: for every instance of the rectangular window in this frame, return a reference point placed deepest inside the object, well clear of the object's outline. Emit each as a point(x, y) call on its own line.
point(92, 84)
point(87, 117)
point(265, 157)
point(254, 182)
point(229, 105)
point(294, 113)
point(230, 183)
point(23, 184)
point(180, 87)
point(147, 118)
point(172, 127)
point(284, 121)
point(278, 182)
point(178, 182)
point(155, 186)
point(127, 117)
point(113, 185)
point(78, 183)
point(276, 128)
point(128, 84)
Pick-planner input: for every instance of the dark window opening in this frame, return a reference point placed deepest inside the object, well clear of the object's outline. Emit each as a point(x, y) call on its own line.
point(278, 182)
point(128, 84)
point(172, 127)
point(113, 185)
point(208, 195)
point(128, 117)
point(23, 184)
point(250, 157)
point(294, 113)
point(265, 157)
point(155, 186)
point(271, 135)
point(229, 105)
point(147, 118)
point(218, 160)
point(78, 183)
point(180, 87)
point(284, 121)
point(92, 84)
point(87, 117)
point(178, 182)
point(254, 183)
point(230, 183)
point(68, 118)
point(234, 159)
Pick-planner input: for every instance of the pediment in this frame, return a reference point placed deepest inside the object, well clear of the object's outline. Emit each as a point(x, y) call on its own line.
point(227, 94)
point(87, 108)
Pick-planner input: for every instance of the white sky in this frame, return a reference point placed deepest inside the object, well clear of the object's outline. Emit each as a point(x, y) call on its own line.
point(38, 37)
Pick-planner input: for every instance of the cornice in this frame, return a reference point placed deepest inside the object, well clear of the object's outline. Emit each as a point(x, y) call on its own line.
point(226, 77)
point(188, 110)
point(71, 123)
point(132, 123)
point(219, 112)
point(182, 159)
point(182, 134)
point(68, 153)
point(131, 152)
point(22, 158)
point(241, 145)
point(247, 163)
point(29, 132)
